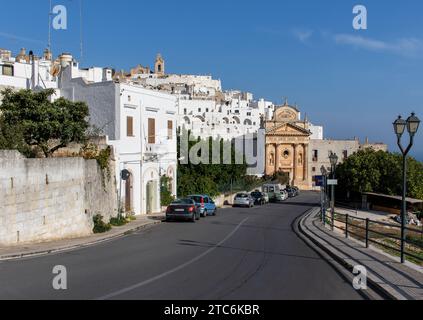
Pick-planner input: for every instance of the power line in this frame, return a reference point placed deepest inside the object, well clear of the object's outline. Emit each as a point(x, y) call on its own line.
point(81, 31)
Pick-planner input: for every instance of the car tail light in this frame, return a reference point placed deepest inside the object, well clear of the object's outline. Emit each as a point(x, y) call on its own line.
point(191, 209)
point(202, 202)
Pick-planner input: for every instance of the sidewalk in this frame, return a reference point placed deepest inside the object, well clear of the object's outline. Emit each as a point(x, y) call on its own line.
point(371, 214)
point(386, 273)
point(26, 250)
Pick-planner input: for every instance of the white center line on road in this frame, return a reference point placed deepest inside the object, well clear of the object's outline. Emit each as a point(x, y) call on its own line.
point(165, 274)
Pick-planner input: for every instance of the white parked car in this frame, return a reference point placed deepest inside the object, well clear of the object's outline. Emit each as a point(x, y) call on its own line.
point(243, 200)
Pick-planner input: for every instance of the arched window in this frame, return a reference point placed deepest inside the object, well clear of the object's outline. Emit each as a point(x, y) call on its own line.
point(272, 159)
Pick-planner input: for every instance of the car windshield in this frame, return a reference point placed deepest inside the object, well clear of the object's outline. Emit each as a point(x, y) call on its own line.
point(242, 195)
point(196, 198)
point(183, 201)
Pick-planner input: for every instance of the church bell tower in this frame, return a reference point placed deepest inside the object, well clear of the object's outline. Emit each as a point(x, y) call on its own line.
point(159, 66)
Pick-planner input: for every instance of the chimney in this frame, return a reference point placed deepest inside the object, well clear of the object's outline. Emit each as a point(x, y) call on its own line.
point(32, 62)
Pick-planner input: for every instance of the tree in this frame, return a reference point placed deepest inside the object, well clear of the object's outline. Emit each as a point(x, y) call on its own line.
point(11, 138)
point(380, 172)
point(46, 125)
point(211, 179)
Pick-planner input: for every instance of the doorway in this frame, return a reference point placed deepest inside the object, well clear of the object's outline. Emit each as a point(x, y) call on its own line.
point(151, 196)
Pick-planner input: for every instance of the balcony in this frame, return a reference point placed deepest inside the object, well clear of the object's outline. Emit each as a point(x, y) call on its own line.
point(156, 149)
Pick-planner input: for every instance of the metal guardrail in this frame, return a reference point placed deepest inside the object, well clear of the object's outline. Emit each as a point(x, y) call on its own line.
point(347, 219)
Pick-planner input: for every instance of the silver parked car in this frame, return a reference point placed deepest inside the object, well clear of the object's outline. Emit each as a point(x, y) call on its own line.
point(243, 200)
point(284, 194)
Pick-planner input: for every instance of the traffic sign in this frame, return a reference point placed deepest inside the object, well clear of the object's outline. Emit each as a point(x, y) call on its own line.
point(318, 180)
point(332, 182)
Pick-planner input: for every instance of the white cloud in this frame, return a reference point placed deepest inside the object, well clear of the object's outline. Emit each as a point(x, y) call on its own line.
point(19, 38)
point(409, 47)
point(302, 35)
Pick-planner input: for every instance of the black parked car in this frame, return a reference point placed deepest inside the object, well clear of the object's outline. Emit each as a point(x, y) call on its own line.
point(291, 192)
point(183, 209)
point(259, 198)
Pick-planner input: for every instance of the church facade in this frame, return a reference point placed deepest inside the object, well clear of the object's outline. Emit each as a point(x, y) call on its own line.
point(292, 148)
point(288, 146)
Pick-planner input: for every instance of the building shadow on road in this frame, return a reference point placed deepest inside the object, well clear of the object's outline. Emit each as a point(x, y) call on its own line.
point(302, 204)
point(210, 245)
point(250, 226)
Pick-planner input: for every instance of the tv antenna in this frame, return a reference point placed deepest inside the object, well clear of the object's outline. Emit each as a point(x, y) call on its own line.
point(49, 26)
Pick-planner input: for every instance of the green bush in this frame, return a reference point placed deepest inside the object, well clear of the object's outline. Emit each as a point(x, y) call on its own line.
point(118, 221)
point(131, 218)
point(166, 196)
point(99, 225)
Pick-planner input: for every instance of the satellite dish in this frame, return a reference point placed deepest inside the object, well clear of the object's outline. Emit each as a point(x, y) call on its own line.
point(55, 70)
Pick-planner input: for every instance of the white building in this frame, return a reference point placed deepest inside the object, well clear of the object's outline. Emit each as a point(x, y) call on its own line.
point(316, 132)
point(226, 119)
point(139, 123)
point(203, 108)
point(26, 71)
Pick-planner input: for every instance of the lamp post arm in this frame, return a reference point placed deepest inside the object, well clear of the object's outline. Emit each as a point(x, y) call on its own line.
point(400, 145)
point(410, 145)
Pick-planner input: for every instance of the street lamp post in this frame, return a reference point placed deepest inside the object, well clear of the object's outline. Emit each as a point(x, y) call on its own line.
point(324, 175)
point(333, 161)
point(412, 125)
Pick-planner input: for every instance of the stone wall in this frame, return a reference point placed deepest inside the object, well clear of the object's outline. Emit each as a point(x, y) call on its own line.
point(50, 199)
point(228, 199)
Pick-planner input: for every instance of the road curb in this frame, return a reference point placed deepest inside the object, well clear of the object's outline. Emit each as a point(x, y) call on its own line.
point(15, 256)
point(348, 266)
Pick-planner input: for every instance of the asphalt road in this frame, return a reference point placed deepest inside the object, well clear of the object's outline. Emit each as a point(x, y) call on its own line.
point(239, 254)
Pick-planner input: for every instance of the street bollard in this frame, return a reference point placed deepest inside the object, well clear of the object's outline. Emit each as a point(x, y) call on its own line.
point(346, 226)
point(367, 232)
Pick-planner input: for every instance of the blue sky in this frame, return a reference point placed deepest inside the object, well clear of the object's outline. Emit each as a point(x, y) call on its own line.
point(353, 82)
